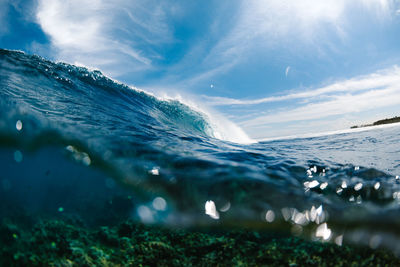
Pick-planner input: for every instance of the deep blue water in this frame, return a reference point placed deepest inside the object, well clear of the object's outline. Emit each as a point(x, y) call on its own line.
point(78, 145)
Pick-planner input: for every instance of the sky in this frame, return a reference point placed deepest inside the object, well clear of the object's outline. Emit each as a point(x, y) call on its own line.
point(273, 67)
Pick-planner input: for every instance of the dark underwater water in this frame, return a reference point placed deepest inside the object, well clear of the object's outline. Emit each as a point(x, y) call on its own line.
point(75, 144)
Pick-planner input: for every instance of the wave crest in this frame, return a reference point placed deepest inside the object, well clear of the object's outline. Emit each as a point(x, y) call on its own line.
point(66, 94)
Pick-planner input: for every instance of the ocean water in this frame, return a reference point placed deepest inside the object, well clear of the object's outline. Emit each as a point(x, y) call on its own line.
point(75, 144)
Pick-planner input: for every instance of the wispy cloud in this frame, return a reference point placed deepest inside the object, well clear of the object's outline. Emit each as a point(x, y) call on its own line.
point(343, 104)
point(278, 21)
point(287, 71)
point(267, 24)
point(108, 35)
point(381, 79)
point(354, 97)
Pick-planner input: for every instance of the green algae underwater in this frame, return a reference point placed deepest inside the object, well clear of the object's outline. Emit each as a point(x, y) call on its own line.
point(59, 243)
point(95, 173)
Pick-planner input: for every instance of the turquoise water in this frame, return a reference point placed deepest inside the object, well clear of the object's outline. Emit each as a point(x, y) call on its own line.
point(77, 145)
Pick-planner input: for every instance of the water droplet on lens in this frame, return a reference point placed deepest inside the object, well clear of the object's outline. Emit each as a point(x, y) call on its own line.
point(358, 186)
point(339, 240)
point(159, 204)
point(86, 159)
point(18, 125)
point(285, 213)
point(311, 184)
point(377, 185)
point(155, 171)
point(323, 185)
point(375, 241)
point(145, 214)
point(323, 231)
point(314, 169)
point(211, 210)
point(70, 148)
point(270, 216)
point(226, 207)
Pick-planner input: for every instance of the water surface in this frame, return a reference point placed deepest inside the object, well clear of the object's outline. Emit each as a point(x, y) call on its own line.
point(76, 144)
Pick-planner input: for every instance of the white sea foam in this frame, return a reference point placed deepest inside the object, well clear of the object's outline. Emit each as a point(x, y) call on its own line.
point(343, 131)
point(222, 128)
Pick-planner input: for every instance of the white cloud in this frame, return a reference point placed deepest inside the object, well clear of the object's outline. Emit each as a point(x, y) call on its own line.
point(381, 79)
point(107, 35)
point(269, 24)
point(355, 97)
point(305, 20)
point(277, 18)
point(287, 71)
point(343, 104)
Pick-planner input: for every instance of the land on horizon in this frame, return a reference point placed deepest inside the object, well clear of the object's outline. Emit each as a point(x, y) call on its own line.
point(379, 122)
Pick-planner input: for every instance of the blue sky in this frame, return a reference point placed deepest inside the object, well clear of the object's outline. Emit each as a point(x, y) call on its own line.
point(273, 67)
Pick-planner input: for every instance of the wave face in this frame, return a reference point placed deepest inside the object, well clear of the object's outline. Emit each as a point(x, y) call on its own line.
point(74, 143)
point(70, 94)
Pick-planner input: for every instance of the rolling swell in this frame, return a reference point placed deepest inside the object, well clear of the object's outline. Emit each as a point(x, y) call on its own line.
point(87, 140)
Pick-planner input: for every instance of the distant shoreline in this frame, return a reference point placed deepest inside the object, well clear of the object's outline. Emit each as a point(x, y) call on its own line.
point(380, 122)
